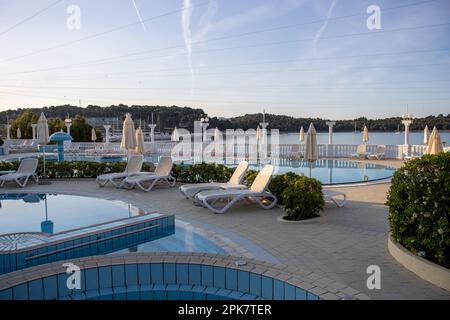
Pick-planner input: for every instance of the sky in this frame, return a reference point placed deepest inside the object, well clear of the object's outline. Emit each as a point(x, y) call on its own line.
point(303, 58)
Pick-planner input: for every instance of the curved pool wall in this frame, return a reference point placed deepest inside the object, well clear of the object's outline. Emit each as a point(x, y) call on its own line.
point(164, 276)
point(23, 250)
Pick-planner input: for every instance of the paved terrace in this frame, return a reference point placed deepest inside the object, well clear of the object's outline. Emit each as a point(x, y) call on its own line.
point(339, 248)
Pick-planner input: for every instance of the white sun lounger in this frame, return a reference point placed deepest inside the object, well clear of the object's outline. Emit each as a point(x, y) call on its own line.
point(379, 154)
point(190, 190)
point(134, 167)
point(27, 169)
point(257, 191)
point(331, 195)
point(162, 173)
point(361, 152)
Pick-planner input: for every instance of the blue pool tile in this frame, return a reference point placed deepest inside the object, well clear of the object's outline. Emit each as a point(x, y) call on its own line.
point(147, 295)
point(243, 281)
point(63, 291)
point(105, 277)
point(194, 274)
point(170, 275)
point(267, 288)
point(157, 273)
point(173, 287)
point(20, 292)
point(231, 279)
point(199, 296)
point(289, 292)
point(117, 290)
point(160, 295)
point(211, 290)
point(198, 288)
point(92, 294)
point(106, 292)
point(78, 296)
point(223, 292)
point(235, 295)
point(207, 276)
point(219, 277)
point(118, 276)
point(144, 273)
point(133, 295)
point(91, 279)
point(278, 290)
point(311, 296)
point(173, 295)
point(186, 295)
point(185, 288)
point(120, 296)
point(50, 288)
point(131, 274)
point(255, 284)
point(36, 291)
point(248, 297)
point(182, 273)
point(6, 294)
point(300, 294)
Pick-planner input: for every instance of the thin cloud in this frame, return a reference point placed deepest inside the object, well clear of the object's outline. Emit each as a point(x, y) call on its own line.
point(139, 15)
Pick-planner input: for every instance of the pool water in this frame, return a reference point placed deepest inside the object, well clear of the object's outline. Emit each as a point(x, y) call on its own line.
point(330, 172)
point(52, 213)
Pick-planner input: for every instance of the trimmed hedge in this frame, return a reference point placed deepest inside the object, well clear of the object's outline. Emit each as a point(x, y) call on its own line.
point(419, 207)
point(202, 173)
point(74, 169)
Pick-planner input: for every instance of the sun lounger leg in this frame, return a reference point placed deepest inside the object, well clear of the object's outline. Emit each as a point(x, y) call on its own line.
point(102, 183)
point(273, 201)
point(22, 184)
point(117, 184)
point(224, 209)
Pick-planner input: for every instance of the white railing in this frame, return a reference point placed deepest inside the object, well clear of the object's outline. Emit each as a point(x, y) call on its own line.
point(241, 151)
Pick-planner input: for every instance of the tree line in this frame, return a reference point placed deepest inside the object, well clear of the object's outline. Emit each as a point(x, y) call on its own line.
point(166, 118)
point(81, 130)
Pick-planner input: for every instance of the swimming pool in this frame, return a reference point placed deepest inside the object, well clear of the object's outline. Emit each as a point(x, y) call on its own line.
point(332, 171)
point(55, 213)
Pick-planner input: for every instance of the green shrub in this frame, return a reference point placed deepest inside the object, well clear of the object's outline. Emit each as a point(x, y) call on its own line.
point(303, 198)
point(74, 169)
point(250, 177)
point(279, 183)
point(202, 173)
point(419, 207)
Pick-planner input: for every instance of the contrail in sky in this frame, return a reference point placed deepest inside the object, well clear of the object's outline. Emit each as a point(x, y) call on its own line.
point(187, 35)
point(139, 15)
point(325, 25)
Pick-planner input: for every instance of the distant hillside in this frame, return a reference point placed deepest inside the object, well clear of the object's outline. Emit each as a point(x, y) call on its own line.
point(183, 117)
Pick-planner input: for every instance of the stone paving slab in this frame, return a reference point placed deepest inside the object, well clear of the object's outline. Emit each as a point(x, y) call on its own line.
point(341, 249)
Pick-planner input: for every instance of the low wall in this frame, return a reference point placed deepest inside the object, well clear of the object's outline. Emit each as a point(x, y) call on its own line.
point(431, 272)
point(163, 276)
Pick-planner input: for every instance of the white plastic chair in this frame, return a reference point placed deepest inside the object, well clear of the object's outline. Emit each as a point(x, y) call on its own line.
point(134, 167)
point(235, 182)
point(162, 173)
point(361, 152)
point(27, 169)
point(379, 154)
point(257, 191)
